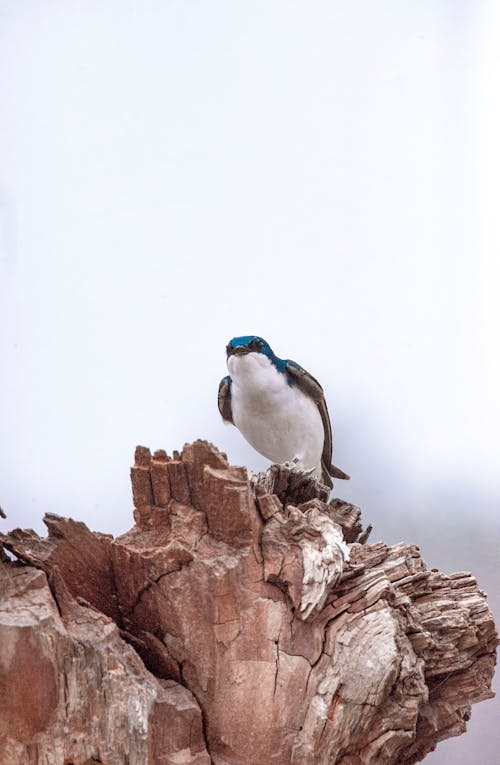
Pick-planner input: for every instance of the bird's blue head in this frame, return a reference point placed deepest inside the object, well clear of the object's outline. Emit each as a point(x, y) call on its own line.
point(239, 346)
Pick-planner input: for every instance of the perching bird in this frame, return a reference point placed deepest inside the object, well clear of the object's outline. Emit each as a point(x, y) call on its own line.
point(278, 407)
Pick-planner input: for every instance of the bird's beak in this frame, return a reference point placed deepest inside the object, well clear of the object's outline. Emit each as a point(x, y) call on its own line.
point(238, 350)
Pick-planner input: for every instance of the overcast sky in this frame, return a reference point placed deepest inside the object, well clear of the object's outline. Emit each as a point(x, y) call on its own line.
point(324, 174)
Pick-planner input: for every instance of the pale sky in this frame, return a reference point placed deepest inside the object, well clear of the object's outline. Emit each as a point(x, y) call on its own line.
point(323, 174)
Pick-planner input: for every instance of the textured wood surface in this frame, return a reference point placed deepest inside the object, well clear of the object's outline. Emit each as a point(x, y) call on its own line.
point(239, 622)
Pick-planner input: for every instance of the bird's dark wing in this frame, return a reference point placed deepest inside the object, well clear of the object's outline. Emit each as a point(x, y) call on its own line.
point(311, 387)
point(224, 399)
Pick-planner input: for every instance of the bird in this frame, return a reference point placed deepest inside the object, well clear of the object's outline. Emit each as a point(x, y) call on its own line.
point(279, 408)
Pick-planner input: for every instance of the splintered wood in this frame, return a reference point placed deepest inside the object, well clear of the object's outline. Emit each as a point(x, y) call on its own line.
point(241, 621)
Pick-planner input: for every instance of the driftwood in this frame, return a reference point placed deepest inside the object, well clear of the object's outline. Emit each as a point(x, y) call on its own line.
point(239, 622)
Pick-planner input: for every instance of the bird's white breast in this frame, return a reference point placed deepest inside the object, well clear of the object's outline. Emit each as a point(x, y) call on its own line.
point(277, 419)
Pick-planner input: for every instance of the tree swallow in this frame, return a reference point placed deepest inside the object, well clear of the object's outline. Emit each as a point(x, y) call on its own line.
point(278, 407)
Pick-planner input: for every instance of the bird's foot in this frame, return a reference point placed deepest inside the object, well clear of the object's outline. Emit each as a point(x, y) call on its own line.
point(292, 465)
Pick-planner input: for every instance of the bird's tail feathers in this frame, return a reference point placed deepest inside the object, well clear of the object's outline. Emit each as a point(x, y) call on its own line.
point(338, 473)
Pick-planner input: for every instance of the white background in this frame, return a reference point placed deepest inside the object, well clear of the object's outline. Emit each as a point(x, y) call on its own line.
point(324, 174)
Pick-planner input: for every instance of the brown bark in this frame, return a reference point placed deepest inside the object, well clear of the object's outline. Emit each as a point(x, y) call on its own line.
point(239, 622)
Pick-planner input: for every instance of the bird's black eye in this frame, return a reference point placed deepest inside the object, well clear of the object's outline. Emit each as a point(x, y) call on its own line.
point(255, 344)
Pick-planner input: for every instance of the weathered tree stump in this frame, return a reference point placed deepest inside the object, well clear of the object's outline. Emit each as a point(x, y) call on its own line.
point(239, 622)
